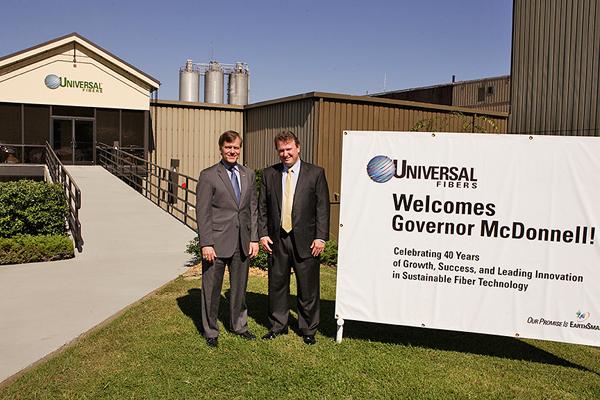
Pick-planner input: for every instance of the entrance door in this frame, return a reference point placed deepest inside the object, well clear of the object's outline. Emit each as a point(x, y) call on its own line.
point(83, 143)
point(73, 140)
point(62, 139)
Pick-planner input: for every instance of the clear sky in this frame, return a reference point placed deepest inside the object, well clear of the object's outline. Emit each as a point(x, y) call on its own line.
point(291, 47)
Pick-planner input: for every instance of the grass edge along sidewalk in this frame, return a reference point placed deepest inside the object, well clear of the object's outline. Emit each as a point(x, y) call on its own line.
point(153, 349)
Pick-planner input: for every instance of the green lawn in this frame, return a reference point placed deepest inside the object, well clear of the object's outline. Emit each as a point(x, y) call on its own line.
point(154, 351)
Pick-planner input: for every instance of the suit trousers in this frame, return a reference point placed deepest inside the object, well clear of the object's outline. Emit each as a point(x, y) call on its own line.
point(212, 283)
point(284, 258)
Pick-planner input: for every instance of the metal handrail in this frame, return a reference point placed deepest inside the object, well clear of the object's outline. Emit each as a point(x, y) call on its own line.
point(60, 175)
point(165, 187)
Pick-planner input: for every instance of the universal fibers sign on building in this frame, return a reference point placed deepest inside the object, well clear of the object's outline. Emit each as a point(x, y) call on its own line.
point(496, 234)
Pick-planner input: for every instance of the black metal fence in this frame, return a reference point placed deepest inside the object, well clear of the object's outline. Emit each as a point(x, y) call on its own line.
point(60, 175)
point(168, 189)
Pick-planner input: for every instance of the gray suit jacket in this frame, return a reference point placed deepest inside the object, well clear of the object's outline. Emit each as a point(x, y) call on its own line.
point(310, 210)
point(221, 222)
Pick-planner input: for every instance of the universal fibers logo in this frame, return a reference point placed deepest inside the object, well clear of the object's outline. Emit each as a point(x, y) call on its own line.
point(382, 169)
point(54, 82)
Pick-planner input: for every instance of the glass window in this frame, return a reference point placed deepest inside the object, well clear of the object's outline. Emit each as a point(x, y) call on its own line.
point(66, 111)
point(11, 154)
point(132, 129)
point(33, 155)
point(37, 124)
point(107, 126)
point(10, 123)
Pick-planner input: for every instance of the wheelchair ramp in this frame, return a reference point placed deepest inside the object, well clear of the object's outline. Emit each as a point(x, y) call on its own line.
point(132, 247)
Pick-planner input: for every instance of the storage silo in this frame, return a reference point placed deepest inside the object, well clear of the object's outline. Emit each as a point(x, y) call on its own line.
point(237, 92)
point(213, 83)
point(189, 82)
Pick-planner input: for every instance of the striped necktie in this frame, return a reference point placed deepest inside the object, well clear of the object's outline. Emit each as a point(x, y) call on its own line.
point(235, 183)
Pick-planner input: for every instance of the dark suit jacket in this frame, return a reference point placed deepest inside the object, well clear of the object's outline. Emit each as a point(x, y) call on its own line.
point(310, 210)
point(221, 222)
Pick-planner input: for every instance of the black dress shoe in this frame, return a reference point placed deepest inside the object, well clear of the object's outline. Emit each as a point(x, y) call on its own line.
point(247, 335)
point(212, 341)
point(273, 334)
point(309, 339)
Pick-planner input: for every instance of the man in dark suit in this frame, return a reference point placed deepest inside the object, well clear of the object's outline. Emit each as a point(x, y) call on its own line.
point(293, 227)
point(227, 216)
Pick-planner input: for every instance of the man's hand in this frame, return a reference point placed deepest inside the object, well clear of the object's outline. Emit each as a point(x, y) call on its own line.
point(317, 247)
point(265, 241)
point(208, 253)
point(253, 249)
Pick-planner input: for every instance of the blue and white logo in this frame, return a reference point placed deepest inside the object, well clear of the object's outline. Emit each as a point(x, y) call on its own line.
point(381, 169)
point(52, 81)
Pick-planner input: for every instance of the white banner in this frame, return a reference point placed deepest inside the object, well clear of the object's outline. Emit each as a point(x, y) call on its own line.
point(496, 234)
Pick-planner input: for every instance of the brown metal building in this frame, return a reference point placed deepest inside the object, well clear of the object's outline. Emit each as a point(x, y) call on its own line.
point(555, 68)
point(491, 94)
point(319, 120)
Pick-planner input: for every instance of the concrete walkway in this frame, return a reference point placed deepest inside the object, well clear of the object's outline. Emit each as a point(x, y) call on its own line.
point(131, 248)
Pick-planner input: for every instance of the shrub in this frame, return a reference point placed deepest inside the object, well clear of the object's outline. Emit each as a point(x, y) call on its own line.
point(260, 261)
point(258, 173)
point(328, 257)
point(447, 123)
point(193, 248)
point(25, 248)
point(32, 208)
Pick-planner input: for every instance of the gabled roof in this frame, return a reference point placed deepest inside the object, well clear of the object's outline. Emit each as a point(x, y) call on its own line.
point(74, 39)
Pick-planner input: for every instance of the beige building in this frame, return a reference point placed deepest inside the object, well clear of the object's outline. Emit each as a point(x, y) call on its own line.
point(73, 94)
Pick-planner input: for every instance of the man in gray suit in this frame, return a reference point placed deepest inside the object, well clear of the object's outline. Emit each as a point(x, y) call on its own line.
point(226, 214)
point(293, 227)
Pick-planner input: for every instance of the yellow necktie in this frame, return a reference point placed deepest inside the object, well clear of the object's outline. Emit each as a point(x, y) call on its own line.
point(288, 199)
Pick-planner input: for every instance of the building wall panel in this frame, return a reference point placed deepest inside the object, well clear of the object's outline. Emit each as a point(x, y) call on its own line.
point(467, 94)
point(264, 122)
point(555, 67)
point(190, 134)
point(461, 94)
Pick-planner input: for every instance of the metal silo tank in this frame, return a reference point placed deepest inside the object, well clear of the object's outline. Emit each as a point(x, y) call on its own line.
point(189, 82)
point(213, 83)
point(238, 85)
